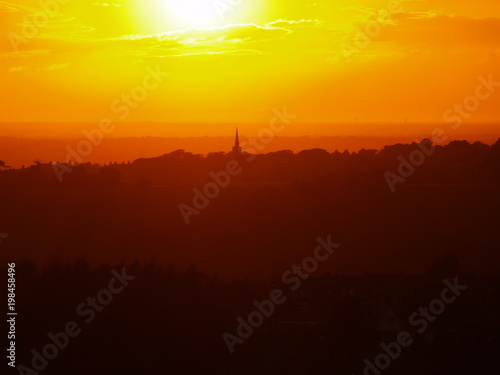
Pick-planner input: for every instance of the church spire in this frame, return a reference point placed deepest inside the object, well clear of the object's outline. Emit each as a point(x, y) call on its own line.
point(237, 148)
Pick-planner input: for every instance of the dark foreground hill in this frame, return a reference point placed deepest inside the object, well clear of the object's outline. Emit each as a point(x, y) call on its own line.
point(267, 217)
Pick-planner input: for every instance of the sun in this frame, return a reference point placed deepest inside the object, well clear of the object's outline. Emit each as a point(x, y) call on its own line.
point(155, 16)
point(193, 13)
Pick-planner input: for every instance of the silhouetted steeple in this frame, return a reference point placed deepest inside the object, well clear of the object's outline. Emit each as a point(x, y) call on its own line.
point(237, 148)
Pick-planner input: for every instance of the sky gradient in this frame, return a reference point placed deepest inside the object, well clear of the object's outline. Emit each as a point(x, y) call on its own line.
point(329, 61)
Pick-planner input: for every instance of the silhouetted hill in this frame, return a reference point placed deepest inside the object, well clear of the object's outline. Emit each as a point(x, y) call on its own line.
point(268, 216)
point(165, 317)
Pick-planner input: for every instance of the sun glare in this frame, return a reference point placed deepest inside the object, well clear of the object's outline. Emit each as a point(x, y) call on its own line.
point(168, 15)
point(193, 13)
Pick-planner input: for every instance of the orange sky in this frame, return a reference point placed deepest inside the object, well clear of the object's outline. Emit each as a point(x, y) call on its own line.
point(235, 63)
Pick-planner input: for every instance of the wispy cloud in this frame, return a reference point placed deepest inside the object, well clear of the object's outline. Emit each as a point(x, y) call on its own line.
point(16, 69)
